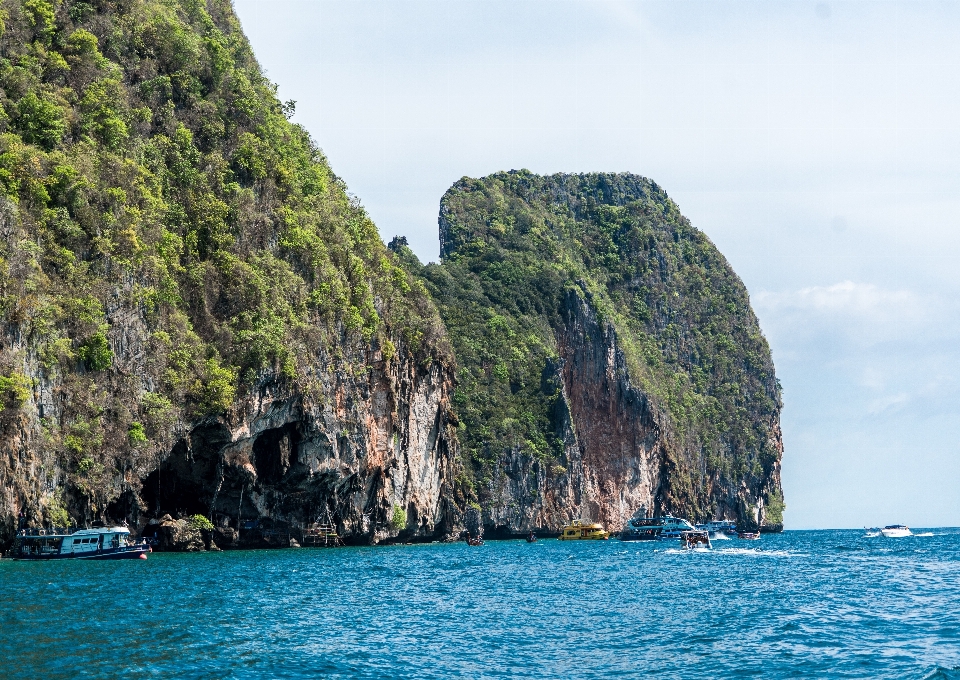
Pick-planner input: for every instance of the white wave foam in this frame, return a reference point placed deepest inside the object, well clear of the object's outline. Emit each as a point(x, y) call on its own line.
point(925, 534)
point(757, 552)
point(720, 537)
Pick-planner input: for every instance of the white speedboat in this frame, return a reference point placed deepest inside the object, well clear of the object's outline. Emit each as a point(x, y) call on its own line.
point(695, 540)
point(896, 531)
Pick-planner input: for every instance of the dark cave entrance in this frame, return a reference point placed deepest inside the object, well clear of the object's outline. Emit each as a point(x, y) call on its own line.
point(275, 455)
point(186, 481)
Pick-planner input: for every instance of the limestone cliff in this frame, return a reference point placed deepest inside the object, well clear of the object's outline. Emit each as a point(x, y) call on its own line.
point(195, 316)
point(609, 361)
point(374, 439)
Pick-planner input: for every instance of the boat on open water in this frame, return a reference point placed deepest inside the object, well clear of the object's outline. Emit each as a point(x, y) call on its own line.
point(103, 543)
point(896, 531)
point(691, 540)
point(584, 530)
point(749, 535)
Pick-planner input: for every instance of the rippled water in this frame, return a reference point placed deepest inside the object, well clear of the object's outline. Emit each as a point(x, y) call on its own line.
point(803, 604)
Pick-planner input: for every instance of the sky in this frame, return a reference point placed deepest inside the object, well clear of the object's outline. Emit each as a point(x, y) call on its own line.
point(817, 144)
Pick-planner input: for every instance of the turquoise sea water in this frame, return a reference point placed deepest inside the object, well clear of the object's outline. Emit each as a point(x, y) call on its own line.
point(803, 604)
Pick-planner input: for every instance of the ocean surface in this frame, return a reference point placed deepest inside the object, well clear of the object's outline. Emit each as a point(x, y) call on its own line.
point(802, 604)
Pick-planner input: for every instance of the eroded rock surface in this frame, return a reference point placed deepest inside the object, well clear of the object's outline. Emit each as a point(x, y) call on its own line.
point(373, 442)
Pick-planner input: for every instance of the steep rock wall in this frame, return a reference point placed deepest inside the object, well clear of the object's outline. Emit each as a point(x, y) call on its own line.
point(192, 307)
point(616, 457)
point(373, 436)
point(370, 442)
point(610, 465)
point(609, 361)
point(366, 435)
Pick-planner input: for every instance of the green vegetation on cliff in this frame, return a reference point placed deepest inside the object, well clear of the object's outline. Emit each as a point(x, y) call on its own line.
point(514, 243)
point(157, 207)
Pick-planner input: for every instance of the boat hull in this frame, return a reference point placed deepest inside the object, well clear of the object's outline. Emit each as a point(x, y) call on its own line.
point(896, 533)
point(127, 553)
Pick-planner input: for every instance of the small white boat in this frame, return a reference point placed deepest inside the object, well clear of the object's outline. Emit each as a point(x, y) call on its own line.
point(896, 531)
point(694, 540)
point(872, 533)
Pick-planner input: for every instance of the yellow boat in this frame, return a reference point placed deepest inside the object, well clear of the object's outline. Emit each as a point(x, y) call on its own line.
point(582, 530)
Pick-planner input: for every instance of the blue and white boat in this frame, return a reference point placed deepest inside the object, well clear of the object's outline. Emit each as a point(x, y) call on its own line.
point(666, 527)
point(104, 543)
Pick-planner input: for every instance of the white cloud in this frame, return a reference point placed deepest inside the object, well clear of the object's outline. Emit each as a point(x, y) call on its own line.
point(848, 317)
point(889, 403)
point(846, 298)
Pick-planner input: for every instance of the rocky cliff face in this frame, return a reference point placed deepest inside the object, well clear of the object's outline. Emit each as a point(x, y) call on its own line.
point(374, 443)
point(195, 317)
point(611, 443)
point(584, 307)
point(362, 441)
point(616, 458)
